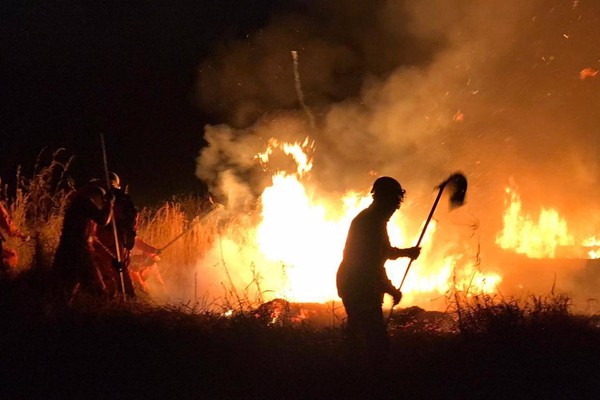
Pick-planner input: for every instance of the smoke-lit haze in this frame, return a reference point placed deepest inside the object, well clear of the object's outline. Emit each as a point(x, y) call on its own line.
point(417, 90)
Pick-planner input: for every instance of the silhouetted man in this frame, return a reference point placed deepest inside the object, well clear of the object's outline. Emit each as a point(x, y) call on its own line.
point(73, 265)
point(361, 278)
point(125, 217)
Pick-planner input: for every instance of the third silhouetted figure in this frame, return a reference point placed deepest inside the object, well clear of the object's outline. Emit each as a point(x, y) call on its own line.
point(125, 217)
point(361, 278)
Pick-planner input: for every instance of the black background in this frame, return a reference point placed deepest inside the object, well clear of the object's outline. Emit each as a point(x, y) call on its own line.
point(71, 70)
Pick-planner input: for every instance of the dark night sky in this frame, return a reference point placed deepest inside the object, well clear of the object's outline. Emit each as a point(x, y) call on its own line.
point(71, 70)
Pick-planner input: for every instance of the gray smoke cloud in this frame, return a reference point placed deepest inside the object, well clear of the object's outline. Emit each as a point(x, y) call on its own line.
point(416, 90)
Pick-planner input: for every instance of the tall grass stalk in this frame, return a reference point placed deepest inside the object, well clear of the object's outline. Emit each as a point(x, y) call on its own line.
point(38, 208)
point(484, 314)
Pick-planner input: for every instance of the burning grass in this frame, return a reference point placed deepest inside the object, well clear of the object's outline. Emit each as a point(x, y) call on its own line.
point(241, 345)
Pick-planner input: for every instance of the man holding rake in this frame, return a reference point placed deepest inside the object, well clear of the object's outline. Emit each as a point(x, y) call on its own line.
point(361, 278)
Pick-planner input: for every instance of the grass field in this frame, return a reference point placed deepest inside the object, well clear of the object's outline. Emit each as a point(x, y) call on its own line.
point(97, 350)
point(482, 347)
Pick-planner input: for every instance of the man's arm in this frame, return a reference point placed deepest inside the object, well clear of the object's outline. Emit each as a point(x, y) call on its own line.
point(410, 252)
point(100, 215)
point(145, 247)
point(390, 289)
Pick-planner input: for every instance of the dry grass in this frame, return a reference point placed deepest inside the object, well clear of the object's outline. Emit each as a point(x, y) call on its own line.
point(185, 227)
point(494, 314)
point(189, 229)
point(40, 201)
point(516, 348)
point(38, 209)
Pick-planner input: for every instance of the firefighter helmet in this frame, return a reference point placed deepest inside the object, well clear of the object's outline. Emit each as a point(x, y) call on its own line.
point(386, 186)
point(114, 179)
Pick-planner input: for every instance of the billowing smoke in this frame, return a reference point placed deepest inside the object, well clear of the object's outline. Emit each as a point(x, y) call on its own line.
point(503, 91)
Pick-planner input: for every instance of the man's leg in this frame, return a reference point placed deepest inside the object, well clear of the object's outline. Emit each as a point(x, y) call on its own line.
point(366, 329)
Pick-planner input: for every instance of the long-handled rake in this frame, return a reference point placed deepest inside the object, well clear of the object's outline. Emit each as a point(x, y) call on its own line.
point(213, 207)
point(113, 222)
point(457, 184)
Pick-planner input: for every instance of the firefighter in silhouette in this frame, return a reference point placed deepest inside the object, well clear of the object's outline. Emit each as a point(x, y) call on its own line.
point(105, 250)
point(73, 266)
point(9, 258)
point(361, 278)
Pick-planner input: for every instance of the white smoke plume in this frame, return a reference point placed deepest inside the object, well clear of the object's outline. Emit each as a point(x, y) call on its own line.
point(416, 90)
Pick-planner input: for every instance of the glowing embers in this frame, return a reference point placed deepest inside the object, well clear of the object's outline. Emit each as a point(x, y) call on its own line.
point(588, 73)
point(535, 238)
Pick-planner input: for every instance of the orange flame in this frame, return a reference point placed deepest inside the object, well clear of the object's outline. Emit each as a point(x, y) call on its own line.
point(536, 239)
point(298, 243)
point(296, 150)
point(307, 235)
point(594, 244)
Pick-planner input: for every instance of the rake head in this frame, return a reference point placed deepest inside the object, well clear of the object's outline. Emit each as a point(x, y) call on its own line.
point(456, 184)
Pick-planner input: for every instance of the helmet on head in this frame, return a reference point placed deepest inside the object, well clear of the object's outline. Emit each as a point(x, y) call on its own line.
point(114, 179)
point(94, 192)
point(93, 189)
point(386, 187)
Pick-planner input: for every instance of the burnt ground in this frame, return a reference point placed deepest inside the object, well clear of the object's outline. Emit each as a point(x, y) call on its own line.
point(132, 351)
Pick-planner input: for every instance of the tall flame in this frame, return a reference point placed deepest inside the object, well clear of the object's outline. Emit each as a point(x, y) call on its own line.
point(300, 233)
point(305, 235)
point(524, 235)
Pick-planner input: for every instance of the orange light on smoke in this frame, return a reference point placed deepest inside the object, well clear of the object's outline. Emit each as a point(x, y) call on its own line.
point(523, 234)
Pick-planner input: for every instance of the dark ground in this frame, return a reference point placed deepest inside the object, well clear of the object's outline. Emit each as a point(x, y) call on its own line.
point(131, 351)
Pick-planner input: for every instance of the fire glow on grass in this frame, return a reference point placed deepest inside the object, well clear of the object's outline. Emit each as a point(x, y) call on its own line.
point(307, 236)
